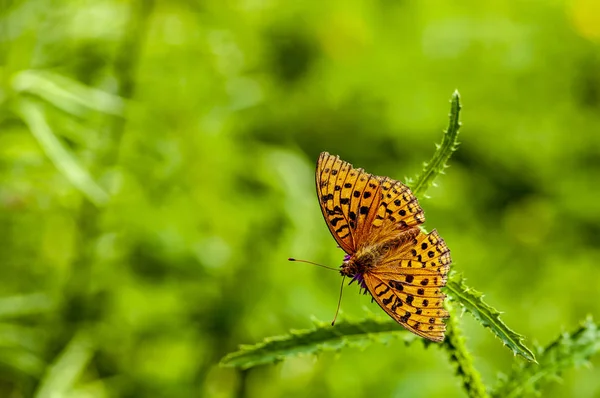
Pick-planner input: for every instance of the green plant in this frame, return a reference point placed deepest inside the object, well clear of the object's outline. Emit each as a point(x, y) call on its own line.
point(529, 374)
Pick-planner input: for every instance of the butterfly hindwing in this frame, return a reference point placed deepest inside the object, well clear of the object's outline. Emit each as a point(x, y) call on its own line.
point(422, 315)
point(420, 250)
point(409, 289)
point(431, 251)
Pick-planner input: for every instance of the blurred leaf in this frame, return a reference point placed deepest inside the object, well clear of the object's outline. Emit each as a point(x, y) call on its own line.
point(61, 375)
point(95, 389)
point(67, 94)
point(487, 316)
point(15, 335)
point(15, 306)
point(444, 151)
point(567, 351)
point(64, 161)
point(22, 361)
point(323, 337)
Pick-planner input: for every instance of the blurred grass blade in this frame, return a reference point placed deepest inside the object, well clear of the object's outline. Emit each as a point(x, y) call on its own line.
point(61, 375)
point(99, 388)
point(322, 337)
point(64, 161)
point(488, 316)
point(440, 158)
point(19, 336)
point(67, 94)
point(15, 306)
point(567, 351)
point(22, 361)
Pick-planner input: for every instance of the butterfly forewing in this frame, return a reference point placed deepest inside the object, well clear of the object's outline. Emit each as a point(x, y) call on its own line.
point(329, 169)
point(397, 206)
point(354, 202)
point(348, 199)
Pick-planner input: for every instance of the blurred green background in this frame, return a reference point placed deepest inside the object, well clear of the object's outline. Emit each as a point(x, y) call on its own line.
point(156, 171)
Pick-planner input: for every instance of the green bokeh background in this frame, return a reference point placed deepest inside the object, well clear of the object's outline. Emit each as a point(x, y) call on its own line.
point(156, 171)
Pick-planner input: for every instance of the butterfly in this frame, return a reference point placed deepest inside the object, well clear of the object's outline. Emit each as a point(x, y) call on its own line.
point(375, 220)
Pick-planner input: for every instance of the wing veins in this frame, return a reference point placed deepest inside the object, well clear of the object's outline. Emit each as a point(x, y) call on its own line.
point(346, 217)
point(366, 216)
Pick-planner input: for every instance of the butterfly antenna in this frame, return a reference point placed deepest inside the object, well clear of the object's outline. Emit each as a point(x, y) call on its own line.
point(310, 262)
point(339, 301)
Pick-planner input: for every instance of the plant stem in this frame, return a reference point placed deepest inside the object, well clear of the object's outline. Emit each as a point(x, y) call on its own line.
point(455, 345)
point(437, 164)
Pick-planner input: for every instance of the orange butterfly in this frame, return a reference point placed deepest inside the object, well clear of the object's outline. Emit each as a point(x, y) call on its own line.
point(375, 220)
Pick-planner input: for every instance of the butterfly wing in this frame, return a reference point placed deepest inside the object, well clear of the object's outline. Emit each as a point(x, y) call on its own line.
point(398, 206)
point(363, 212)
point(347, 197)
point(355, 202)
point(407, 284)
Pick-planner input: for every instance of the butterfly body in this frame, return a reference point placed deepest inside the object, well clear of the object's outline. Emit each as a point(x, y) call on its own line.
point(375, 220)
point(370, 255)
point(361, 263)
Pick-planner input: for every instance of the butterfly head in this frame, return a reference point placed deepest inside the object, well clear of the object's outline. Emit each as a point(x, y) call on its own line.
point(349, 267)
point(354, 267)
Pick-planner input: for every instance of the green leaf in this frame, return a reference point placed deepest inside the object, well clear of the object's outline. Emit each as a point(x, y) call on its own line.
point(488, 316)
point(567, 351)
point(449, 144)
point(322, 337)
